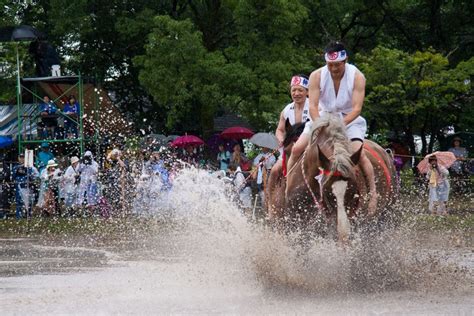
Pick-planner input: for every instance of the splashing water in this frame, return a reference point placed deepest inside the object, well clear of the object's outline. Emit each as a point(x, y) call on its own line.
point(205, 256)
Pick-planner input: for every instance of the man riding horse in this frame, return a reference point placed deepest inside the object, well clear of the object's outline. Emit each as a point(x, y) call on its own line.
point(294, 113)
point(338, 88)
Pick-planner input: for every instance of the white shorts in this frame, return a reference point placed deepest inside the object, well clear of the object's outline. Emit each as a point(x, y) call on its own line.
point(356, 129)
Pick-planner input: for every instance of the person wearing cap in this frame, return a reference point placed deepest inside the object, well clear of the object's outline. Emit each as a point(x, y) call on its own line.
point(44, 155)
point(339, 88)
point(24, 179)
point(88, 193)
point(70, 183)
point(71, 110)
point(48, 198)
point(115, 181)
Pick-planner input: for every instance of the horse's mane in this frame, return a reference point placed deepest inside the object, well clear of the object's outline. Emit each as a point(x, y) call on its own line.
point(293, 133)
point(335, 132)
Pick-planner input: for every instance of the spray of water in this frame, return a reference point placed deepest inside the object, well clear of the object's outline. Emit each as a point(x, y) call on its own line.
point(212, 233)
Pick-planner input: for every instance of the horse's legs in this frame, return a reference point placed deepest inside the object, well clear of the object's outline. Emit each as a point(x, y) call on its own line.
point(297, 150)
point(339, 189)
point(271, 195)
point(368, 170)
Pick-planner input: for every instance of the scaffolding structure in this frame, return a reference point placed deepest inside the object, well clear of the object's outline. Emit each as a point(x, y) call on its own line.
point(34, 89)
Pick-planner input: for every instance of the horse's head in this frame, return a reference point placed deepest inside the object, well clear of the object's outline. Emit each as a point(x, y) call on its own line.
point(339, 178)
point(292, 132)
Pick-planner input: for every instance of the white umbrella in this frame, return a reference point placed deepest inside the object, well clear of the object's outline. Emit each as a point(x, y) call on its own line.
point(266, 140)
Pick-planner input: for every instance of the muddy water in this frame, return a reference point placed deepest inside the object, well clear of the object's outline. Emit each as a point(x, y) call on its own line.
point(204, 257)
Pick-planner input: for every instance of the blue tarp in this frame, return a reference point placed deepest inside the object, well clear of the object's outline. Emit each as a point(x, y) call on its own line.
point(9, 120)
point(5, 141)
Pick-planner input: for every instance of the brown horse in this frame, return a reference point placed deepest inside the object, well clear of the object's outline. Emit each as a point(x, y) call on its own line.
point(327, 180)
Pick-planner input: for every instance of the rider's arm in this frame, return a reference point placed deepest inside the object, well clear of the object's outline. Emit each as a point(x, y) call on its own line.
point(280, 131)
point(358, 96)
point(314, 92)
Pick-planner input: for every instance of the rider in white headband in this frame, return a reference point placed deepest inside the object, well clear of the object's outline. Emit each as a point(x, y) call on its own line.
point(299, 81)
point(336, 56)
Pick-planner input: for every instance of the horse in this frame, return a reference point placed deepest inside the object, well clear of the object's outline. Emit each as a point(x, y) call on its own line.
point(327, 184)
point(275, 191)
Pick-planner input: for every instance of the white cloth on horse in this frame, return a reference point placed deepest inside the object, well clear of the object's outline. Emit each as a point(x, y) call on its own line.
point(341, 103)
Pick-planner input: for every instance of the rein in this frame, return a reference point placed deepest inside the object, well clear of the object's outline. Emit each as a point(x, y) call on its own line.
point(315, 199)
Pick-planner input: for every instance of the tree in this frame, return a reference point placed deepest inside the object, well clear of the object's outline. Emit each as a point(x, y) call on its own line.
point(415, 94)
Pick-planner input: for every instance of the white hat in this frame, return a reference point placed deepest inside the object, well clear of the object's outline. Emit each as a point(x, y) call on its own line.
point(51, 163)
point(74, 159)
point(88, 153)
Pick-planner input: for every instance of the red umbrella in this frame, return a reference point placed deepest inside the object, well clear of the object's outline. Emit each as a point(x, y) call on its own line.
point(187, 140)
point(236, 132)
point(444, 158)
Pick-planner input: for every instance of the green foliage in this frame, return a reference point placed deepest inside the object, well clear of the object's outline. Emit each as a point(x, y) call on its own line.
point(175, 64)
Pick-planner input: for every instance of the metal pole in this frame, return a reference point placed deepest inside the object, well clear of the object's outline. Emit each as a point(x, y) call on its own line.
point(18, 99)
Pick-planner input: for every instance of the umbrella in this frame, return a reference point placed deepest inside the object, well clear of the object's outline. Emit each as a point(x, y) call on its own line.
point(26, 33)
point(5, 141)
point(445, 159)
point(187, 140)
point(215, 140)
point(266, 140)
point(20, 33)
point(236, 132)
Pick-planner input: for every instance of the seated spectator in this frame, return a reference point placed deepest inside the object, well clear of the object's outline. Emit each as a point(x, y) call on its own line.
point(70, 184)
point(88, 193)
point(49, 119)
point(223, 158)
point(24, 179)
point(71, 110)
point(44, 155)
point(48, 199)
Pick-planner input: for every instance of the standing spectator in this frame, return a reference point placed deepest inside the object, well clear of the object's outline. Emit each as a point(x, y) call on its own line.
point(49, 190)
point(438, 186)
point(49, 119)
point(5, 176)
point(223, 157)
point(71, 110)
point(156, 167)
point(24, 179)
point(44, 155)
point(190, 155)
point(88, 188)
point(70, 182)
point(264, 163)
point(115, 185)
point(239, 159)
point(458, 169)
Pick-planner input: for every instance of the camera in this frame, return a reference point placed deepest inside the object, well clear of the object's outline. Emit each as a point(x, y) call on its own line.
point(87, 160)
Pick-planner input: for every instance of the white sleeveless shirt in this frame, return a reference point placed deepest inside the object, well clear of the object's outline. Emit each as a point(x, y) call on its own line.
point(328, 102)
point(289, 112)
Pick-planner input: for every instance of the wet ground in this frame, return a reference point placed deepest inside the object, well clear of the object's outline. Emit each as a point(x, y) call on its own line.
point(167, 272)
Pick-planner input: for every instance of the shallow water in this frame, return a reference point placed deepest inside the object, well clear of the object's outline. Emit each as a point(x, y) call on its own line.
point(204, 257)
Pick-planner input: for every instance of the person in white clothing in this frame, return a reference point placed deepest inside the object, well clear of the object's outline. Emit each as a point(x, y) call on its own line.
point(339, 88)
point(70, 182)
